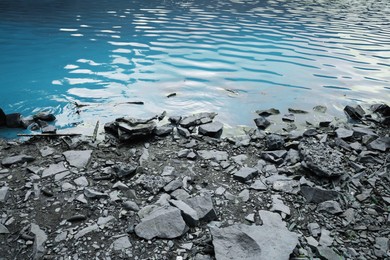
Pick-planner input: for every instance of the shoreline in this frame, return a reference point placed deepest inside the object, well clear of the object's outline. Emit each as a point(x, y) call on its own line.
point(153, 191)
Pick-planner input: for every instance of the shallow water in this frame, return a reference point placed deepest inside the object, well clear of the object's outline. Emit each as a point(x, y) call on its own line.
point(231, 57)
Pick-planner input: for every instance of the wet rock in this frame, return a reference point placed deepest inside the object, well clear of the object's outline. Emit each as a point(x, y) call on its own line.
point(316, 157)
point(26, 122)
point(197, 119)
point(163, 222)
point(128, 129)
point(213, 129)
point(39, 241)
point(268, 112)
point(344, 133)
point(14, 120)
point(288, 118)
point(50, 129)
point(4, 194)
point(22, 158)
point(274, 142)
point(320, 109)
point(262, 123)
point(317, 195)
point(173, 185)
point(183, 132)
point(174, 119)
point(3, 118)
point(297, 111)
point(272, 240)
point(45, 116)
point(381, 109)
point(330, 206)
point(79, 159)
point(125, 170)
point(355, 113)
point(245, 174)
point(380, 144)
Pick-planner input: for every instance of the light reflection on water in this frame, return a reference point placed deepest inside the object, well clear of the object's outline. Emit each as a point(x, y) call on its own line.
point(265, 53)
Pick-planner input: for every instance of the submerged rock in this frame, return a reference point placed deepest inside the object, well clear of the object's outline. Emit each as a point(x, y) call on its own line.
point(268, 112)
point(355, 113)
point(262, 122)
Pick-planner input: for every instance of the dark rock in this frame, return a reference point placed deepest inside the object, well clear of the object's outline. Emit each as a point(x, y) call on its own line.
point(297, 111)
point(386, 121)
point(245, 174)
point(197, 119)
point(203, 205)
point(125, 170)
point(14, 120)
point(3, 118)
point(213, 129)
point(316, 157)
point(79, 159)
point(190, 216)
point(27, 121)
point(381, 109)
point(128, 129)
point(45, 116)
point(359, 132)
point(330, 206)
point(130, 205)
point(174, 119)
point(163, 222)
point(77, 218)
point(268, 112)
point(380, 144)
point(163, 130)
point(317, 195)
point(288, 118)
point(355, 113)
point(262, 123)
point(183, 132)
point(22, 158)
point(310, 132)
point(274, 142)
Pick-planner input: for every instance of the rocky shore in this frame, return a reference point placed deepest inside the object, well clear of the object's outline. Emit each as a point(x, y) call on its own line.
point(180, 191)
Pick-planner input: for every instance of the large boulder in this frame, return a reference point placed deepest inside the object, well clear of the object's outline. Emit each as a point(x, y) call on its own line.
point(14, 120)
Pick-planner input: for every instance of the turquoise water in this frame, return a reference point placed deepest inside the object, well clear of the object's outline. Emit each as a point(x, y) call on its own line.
point(231, 57)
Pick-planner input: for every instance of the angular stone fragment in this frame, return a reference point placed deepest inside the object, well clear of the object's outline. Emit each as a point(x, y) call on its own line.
point(274, 142)
point(86, 230)
point(121, 243)
point(3, 229)
point(93, 194)
point(288, 186)
point(163, 222)
point(39, 241)
point(355, 113)
point(344, 133)
point(213, 155)
point(262, 122)
point(330, 206)
point(190, 216)
point(152, 183)
point(46, 151)
point(317, 195)
point(268, 112)
point(130, 205)
point(381, 144)
point(4, 193)
point(240, 241)
point(163, 130)
point(22, 158)
point(245, 174)
point(203, 205)
point(54, 169)
point(213, 129)
point(173, 185)
point(197, 119)
point(278, 205)
point(125, 170)
point(327, 253)
point(81, 181)
point(79, 159)
point(45, 116)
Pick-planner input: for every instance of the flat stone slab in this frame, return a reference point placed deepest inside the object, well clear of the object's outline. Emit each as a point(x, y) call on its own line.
point(317, 195)
point(22, 158)
point(54, 169)
point(272, 240)
point(213, 129)
point(79, 159)
point(163, 222)
point(245, 174)
point(197, 119)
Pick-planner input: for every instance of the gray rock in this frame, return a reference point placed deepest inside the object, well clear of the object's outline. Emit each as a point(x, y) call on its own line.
point(239, 159)
point(327, 253)
point(79, 159)
point(190, 216)
point(213, 155)
point(22, 158)
point(174, 119)
point(180, 194)
point(274, 142)
point(316, 157)
point(213, 129)
point(81, 181)
point(317, 195)
point(128, 129)
point(262, 122)
point(330, 206)
point(344, 133)
point(183, 153)
point(203, 205)
point(197, 119)
point(4, 194)
point(86, 230)
point(320, 109)
point(183, 132)
point(382, 246)
point(121, 243)
point(173, 185)
point(3, 229)
point(314, 229)
point(278, 205)
point(130, 205)
point(325, 239)
point(54, 169)
point(355, 113)
point(245, 174)
point(163, 222)
point(93, 194)
point(152, 183)
point(287, 186)
point(240, 241)
point(297, 111)
point(259, 185)
point(45, 116)
point(288, 118)
point(46, 151)
point(39, 241)
point(50, 129)
point(268, 112)
point(382, 109)
point(380, 144)
point(163, 130)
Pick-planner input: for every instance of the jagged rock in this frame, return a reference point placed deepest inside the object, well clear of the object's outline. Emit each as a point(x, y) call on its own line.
point(316, 157)
point(93, 194)
point(274, 142)
point(173, 185)
point(382, 109)
point(380, 144)
point(4, 194)
point(127, 129)
point(81, 181)
point(330, 206)
point(213, 155)
point(359, 132)
point(213, 129)
point(314, 229)
point(287, 186)
point(183, 132)
point(180, 194)
point(46, 151)
point(317, 195)
point(26, 121)
point(197, 119)
point(203, 205)
point(130, 205)
point(39, 241)
point(174, 119)
point(344, 133)
point(189, 214)
point(268, 112)
point(3, 229)
point(79, 159)
point(50, 129)
point(54, 169)
point(355, 113)
point(45, 116)
point(14, 120)
point(163, 222)
point(288, 118)
point(272, 240)
point(278, 205)
point(325, 238)
point(245, 174)
point(3, 118)
point(121, 243)
point(382, 246)
point(258, 185)
point(327, 253)
point(262, 122)
point(22, 158)
point(125, 170)
point(163, 130)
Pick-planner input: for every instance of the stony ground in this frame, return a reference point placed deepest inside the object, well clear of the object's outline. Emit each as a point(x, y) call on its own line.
point(321, 193)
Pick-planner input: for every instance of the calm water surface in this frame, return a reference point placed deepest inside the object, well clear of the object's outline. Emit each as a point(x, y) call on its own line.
point(231, 57)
